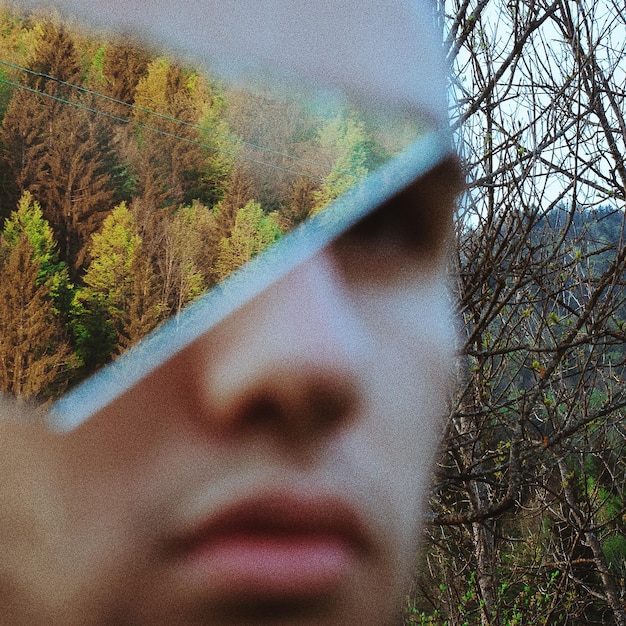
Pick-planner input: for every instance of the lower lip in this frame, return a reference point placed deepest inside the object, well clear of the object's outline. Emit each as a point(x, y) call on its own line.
point(281, 566)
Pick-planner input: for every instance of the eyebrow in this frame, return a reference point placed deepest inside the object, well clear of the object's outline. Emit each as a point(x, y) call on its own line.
point(431, 153)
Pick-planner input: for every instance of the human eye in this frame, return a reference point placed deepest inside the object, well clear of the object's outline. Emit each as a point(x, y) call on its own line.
point(393, 224)
point(380, 247)
point(412, 228)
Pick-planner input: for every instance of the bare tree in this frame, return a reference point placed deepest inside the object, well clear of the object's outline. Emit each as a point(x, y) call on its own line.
point(528, 513)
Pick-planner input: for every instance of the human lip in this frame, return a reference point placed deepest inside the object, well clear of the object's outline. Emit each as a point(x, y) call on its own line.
point(281, 545)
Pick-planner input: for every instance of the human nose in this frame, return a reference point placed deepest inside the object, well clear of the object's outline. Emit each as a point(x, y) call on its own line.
point(287, 363)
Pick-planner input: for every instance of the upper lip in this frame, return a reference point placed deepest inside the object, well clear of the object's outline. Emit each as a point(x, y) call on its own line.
point(283, 512)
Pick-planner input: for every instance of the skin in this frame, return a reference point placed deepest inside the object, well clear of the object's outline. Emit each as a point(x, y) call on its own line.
point(328, 387)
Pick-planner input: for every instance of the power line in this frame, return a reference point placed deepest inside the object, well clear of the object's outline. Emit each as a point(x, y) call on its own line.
point(166, 118)
point(160, 131)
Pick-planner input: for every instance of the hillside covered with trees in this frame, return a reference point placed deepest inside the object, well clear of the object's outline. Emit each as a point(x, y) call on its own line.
point(131, 184)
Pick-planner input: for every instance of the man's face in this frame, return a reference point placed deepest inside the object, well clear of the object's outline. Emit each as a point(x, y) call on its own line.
point(273, 472)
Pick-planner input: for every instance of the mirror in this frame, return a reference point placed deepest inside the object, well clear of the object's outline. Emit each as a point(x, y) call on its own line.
point(134, 184)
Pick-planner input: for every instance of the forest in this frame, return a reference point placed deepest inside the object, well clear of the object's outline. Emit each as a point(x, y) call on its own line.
point(528, 517)
point(131, 184)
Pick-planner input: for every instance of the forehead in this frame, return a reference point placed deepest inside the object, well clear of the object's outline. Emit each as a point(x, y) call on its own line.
point(384, 52)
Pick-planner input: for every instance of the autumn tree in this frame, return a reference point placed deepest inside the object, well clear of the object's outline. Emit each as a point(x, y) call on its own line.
point(143, 312)
point(189, 246)
point(300, 202)
point(34, 352)
point(56, 148)
point(275, 139)
point(53, 54)
point(10, 45)
point(123, 66)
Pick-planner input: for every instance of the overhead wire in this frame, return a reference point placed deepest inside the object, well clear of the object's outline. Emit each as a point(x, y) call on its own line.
point(168, 118)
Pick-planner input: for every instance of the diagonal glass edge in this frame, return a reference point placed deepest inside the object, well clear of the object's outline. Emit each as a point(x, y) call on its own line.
point(257, 275)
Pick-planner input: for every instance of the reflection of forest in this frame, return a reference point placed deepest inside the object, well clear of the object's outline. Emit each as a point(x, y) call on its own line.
point(132, 184)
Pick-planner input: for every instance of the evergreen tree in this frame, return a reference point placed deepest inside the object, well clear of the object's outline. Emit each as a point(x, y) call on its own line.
point(301, 202)
point(123, 66)
point(350, 149)
point(28, 220)
point(253, 232)
point(57, 149)
point(238, 194)
point(117, 299)
point(54, 56)
point(34, 354)
point(172, 163)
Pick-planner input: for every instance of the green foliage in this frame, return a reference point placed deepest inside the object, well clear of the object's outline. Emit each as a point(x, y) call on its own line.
point(524, 603)
point(112, 251)
point(346, 140)
point(172, 163)
point(253, 232)
point(28, 220)
point(130, 221)
point(96, 69)
point(34, 355)
point(6, 91)
point(187, 258)
point(56, 150)
point(99, 306)
point(614, 548)
point(92, 331)
point(222, 147)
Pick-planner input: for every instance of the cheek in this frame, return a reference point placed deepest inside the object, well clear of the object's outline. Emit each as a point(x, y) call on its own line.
point(412, 341)
point(410, 383)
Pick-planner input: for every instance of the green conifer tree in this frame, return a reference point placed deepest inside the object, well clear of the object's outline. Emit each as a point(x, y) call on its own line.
point(28, 220)
point(173, 164)
point(117, 302)
point(253, 232)
point(346, 141)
